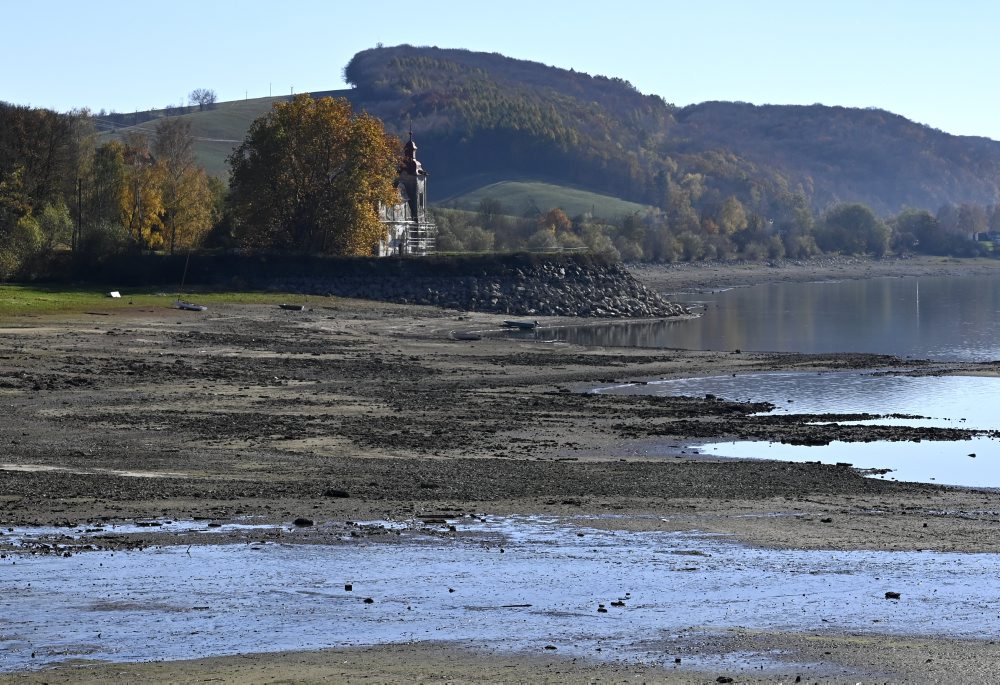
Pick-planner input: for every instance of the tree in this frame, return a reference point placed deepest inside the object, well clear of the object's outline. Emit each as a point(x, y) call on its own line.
point(18, 242)
point(555, 220)
point(141, 196)
point(309, 176)
point(187, 200)
point(203, 97)
point(854, 229)
point(731, 217)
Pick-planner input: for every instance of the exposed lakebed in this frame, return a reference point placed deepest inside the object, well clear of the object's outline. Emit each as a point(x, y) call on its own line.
point(511, 584)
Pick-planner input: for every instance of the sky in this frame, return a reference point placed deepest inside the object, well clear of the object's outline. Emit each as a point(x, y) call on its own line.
point(935, 63)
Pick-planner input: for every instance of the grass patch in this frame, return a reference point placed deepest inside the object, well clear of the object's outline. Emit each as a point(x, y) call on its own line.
point(34, 300)
point(520, 196)
point(218, 130)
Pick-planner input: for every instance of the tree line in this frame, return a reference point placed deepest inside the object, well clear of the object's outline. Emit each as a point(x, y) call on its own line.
point(62, 190)
point(310, 174)
point(725, 231)
point(307, 178)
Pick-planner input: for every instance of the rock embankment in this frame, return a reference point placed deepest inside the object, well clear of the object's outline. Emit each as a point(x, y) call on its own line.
point(545, 288)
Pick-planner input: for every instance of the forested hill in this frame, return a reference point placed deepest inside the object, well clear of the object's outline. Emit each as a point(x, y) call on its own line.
point(487, 117)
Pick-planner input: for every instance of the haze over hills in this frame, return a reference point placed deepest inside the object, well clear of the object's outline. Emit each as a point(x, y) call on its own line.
point(483, 119)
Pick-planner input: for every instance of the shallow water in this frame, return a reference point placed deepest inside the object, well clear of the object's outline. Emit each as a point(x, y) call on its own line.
point(941, 401)
point(503, 583)
point(967, 402)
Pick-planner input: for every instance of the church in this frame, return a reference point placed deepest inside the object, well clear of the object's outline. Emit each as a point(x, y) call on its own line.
point(409, 232)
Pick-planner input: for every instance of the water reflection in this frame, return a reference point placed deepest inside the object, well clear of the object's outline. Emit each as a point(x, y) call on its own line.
point(936, 318)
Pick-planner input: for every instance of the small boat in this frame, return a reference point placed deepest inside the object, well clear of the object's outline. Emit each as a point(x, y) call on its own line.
point(523, 325)
point(189, 306)
point(293, 307)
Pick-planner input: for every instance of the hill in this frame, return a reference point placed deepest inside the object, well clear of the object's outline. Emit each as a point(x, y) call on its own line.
point(484, 118)
point(521, 197)
point(478, 111)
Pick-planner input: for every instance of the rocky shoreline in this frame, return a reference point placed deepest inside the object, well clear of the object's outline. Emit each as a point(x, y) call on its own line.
point(541, 288)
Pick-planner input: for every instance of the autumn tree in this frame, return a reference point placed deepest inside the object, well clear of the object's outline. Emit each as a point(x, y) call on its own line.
point(731, 217)
point(187, 200)
point(309, 176)
point(141, 195)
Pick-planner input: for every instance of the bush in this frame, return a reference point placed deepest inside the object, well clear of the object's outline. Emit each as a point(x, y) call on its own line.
point(19, 242)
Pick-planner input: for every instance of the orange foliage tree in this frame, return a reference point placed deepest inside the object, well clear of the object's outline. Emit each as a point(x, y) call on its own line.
point(309, 176)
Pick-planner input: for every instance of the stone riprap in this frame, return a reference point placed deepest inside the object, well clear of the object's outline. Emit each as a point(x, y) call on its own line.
point(541, 288)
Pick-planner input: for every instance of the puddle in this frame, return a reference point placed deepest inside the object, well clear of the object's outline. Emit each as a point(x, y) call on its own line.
point(966, 402)
point(501, 583)
point(22, 537)
point(38, 468)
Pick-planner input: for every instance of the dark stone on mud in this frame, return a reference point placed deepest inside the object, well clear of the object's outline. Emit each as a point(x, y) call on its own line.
point(892, 595)
point(369, 600)
point(723, 679)
point(334, 492)
point(348, 587)
point(550, 647)
point(302, 522)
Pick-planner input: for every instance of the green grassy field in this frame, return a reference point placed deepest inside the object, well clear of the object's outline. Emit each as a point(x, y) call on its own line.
point(520, 196)
point(20, 300)
point(218, 130)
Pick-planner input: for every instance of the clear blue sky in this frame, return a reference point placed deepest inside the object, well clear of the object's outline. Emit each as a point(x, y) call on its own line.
point(933, 62)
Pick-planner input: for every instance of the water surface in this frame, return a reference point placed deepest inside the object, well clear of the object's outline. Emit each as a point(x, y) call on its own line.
point(966, 402)
point(500, 583)
point(946, 318)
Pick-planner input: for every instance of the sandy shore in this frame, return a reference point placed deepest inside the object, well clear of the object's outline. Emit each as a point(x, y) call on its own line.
point(355, 410)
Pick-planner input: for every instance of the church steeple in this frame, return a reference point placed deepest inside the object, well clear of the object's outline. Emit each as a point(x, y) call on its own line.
point(410, 163)
point(413, 178)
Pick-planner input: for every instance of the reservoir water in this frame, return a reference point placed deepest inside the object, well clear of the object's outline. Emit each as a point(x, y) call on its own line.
point(954, 319)
point(945, 319)
point(965, 402)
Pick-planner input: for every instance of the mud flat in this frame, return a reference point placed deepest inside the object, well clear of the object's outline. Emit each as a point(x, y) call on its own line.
point(354, 411)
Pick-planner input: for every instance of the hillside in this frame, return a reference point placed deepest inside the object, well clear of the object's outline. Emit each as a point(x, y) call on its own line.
point(475, 111)
point(482, 119)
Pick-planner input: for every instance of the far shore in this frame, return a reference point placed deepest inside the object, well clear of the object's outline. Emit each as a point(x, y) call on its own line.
point(688, 277)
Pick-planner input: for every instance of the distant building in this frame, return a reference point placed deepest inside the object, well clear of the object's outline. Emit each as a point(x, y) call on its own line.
point(410, 232)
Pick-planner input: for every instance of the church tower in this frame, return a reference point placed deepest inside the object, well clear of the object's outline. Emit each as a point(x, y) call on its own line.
point(413, 178)
point(410, 232)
